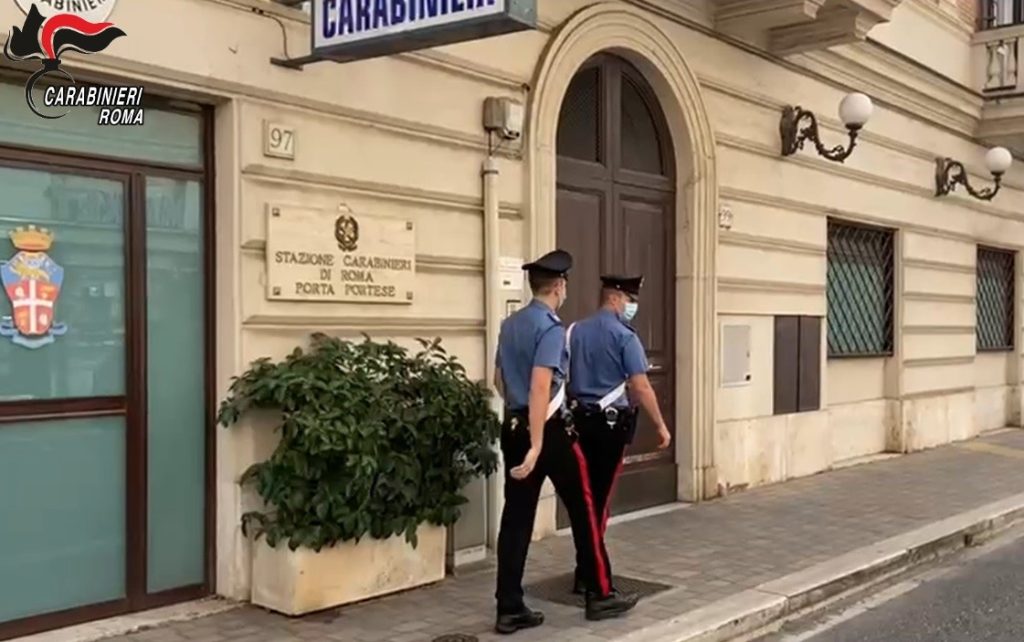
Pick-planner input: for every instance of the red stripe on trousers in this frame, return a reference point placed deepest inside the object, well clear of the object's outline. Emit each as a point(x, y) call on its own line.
point(595, 535)
point(608, 499)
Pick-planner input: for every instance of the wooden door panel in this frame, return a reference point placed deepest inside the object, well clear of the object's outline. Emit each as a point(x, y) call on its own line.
point(643, 229)
point(618, 220)
point(577, 172)
point(643, 181)
point(646, 440)
point(581, 224)
point(644, 252)
point(643, 486)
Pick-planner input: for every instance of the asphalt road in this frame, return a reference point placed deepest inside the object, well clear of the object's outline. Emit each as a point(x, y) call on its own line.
point(975, 597)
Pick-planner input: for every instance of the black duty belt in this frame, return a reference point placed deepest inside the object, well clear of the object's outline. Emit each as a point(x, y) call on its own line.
point(591, 416)
point(612, 416)
point(521, 419)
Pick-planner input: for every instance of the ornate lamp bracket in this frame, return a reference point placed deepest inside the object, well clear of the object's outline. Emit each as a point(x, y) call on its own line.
point(949, 173)
point(799, 125)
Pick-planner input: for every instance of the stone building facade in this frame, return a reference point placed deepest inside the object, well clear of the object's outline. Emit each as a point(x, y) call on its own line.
point(800, 313)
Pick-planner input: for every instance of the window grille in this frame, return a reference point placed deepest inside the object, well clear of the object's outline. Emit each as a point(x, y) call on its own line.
point(859, 290)
point(995, 299)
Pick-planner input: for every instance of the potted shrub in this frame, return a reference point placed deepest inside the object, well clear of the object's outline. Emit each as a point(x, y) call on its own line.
point(376, 447)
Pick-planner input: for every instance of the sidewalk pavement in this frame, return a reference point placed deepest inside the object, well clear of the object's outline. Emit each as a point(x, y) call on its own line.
point(751, 556)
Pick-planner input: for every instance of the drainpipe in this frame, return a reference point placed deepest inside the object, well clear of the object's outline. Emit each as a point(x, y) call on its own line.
point(492, 319)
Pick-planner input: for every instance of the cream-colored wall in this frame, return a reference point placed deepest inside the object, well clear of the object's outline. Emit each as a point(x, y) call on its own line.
point(401, 136)
point(772, 259)
point(995, 395)
point(860, 412)
point(397, 136)
point(935, 33)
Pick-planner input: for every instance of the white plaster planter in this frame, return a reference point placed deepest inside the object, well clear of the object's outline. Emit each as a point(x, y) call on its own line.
point(303, 581)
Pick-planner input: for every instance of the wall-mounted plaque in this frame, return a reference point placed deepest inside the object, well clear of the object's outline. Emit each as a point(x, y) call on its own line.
point(318, 255)
point(510, 272)
point(278, 140)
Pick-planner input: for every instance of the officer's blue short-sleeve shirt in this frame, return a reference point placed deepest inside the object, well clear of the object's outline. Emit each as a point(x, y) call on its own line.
point(605, 351)
point(531, 337)
point(550, 349)
point(634, 357)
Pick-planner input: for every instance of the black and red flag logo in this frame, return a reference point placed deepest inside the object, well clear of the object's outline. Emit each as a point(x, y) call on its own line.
point(45, 39)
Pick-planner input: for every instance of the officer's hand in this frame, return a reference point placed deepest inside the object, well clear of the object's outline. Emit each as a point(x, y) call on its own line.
point(665, 437)
point(523, 470)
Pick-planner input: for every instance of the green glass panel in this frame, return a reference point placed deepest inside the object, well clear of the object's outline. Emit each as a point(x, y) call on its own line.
point(856, 306)
point(177, 424)
point(166, 137)
point(86, 218)
point(62, 535)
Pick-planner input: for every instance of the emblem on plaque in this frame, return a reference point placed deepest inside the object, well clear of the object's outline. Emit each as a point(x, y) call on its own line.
point(346, 231)
point(32, 281)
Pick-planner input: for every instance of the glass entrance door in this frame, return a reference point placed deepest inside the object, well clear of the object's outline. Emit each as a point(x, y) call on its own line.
point(104, 411)
point(63, 542)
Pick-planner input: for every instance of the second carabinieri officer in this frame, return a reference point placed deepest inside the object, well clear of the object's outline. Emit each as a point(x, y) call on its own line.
point(537, 442)
point(608, 368)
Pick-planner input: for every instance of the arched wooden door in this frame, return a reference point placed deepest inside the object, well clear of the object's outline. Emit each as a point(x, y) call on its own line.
point(615, 213)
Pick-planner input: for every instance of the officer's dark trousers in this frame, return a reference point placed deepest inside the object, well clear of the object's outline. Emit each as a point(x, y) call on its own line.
point(603, 448)
point(563, 461)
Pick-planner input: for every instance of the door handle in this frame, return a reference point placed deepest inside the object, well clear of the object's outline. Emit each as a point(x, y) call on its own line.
point(655, 368)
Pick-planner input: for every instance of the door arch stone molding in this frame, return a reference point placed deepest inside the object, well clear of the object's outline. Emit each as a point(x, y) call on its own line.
point(631, 34)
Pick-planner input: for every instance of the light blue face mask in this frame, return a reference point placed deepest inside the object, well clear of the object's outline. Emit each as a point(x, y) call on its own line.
point(630, 311)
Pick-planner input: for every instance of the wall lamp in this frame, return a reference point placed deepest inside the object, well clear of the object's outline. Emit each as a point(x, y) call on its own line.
point(950, 173)
point(854, 110)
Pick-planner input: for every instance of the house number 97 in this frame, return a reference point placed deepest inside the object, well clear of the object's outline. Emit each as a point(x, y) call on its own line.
point(278, 141)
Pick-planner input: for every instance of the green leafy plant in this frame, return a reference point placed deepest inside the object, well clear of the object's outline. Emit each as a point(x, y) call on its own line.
point(374, 440)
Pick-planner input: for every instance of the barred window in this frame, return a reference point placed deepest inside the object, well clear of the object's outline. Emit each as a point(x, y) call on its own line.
point(995, 294)
point(860, 290)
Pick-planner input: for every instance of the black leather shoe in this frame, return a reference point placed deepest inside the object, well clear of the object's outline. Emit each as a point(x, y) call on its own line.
point(511, 622)
point(614, 605)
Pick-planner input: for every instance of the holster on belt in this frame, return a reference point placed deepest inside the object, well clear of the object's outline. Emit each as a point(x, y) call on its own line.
point(592, 417)
point(632, 416)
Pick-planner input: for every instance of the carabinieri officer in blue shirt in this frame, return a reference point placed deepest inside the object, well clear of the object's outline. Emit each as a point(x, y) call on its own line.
point(537, 442)
point(608, 367)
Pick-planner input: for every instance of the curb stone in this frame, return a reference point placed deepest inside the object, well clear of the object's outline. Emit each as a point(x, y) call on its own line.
point(754, 608)
point(135, 623)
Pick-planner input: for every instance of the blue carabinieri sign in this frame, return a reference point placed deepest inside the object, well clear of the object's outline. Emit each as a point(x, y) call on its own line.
point(357, 29)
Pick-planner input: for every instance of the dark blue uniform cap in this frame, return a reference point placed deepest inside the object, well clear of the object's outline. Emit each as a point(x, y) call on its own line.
point(557, 263)
point(628, 284)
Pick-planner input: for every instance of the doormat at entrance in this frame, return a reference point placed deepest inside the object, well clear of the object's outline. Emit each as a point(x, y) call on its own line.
point(558, 589)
